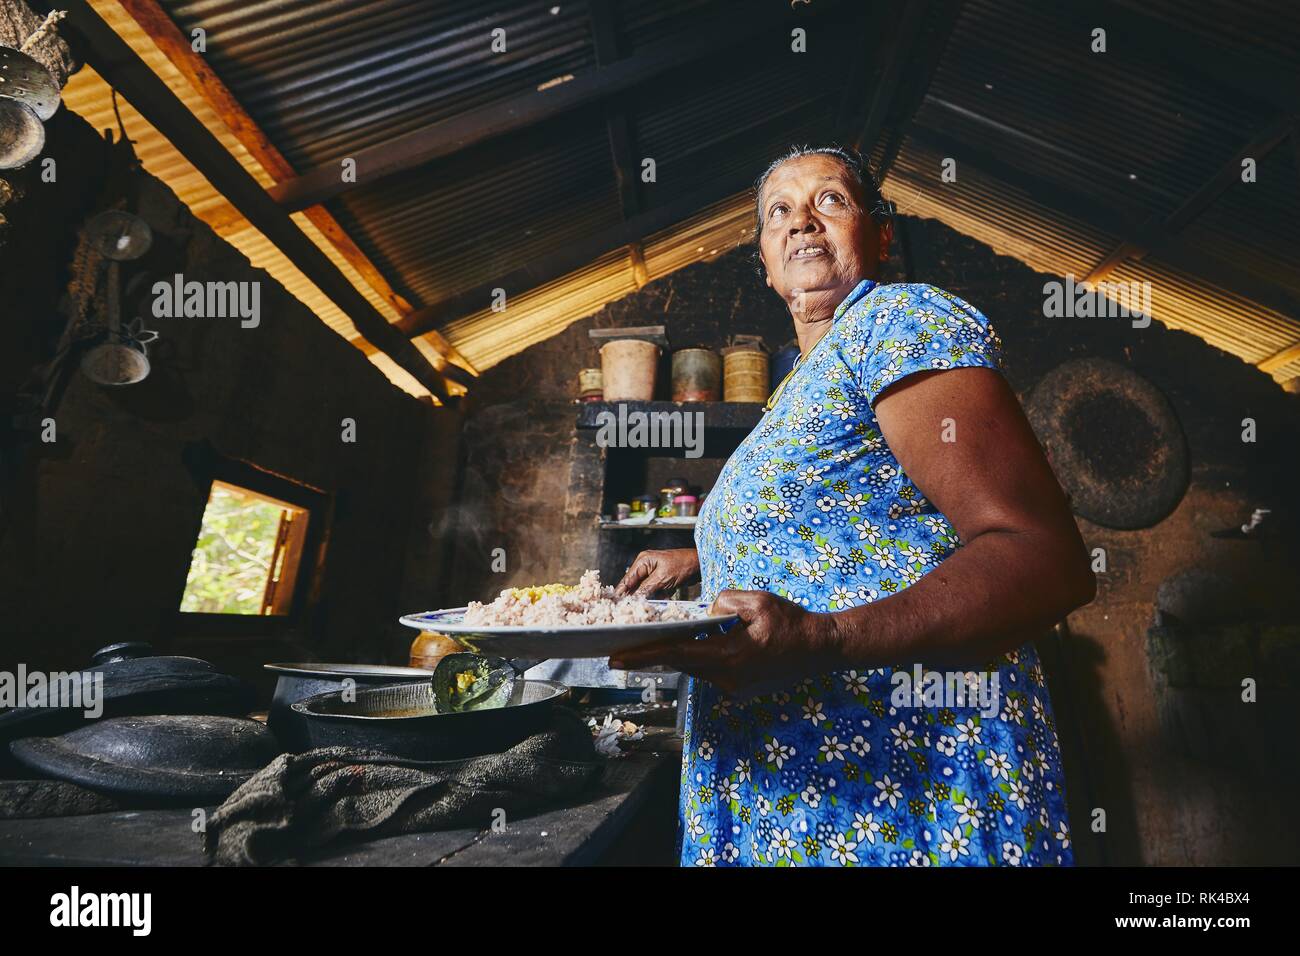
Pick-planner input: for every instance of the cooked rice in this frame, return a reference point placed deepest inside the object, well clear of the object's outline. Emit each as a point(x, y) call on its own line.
point(565, 606)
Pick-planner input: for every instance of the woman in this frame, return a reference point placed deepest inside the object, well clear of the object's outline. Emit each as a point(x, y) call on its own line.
point(891, 509)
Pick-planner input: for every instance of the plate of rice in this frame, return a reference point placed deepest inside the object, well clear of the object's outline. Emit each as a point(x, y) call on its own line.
point(561, 620)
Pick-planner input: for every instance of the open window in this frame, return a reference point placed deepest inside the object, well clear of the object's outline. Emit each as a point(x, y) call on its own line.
point(248, 554)
point(258, 550)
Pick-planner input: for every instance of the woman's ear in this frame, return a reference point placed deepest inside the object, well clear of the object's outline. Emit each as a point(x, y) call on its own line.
point(767, 276)
point(886, 236)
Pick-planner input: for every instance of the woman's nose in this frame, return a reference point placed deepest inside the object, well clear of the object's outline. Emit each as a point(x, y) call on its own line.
point(802, 221)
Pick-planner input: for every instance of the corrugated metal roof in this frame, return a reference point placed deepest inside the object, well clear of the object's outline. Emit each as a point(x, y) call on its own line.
point(1019, 98)
point(324, 77)
point(459, 222)
point(1132, 133)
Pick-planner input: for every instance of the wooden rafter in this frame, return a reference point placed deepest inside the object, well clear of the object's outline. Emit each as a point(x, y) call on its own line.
point(164, 32)
point(605, 38)
point(910, 25)
point(120, 66)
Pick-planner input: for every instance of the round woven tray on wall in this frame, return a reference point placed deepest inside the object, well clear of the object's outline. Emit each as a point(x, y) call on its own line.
point(1114, 440)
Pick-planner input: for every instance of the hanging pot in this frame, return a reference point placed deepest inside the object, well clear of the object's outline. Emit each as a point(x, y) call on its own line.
point(121, 356)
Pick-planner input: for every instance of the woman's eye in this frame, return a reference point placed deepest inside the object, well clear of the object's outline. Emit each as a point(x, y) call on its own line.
point(836, 197)
point(777, 209)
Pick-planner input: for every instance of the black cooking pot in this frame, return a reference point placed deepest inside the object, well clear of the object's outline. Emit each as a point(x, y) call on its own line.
point(400, 720)
point(295, 682)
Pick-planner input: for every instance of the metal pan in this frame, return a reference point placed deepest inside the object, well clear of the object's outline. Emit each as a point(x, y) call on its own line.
point(298, 681)
point(400, 720)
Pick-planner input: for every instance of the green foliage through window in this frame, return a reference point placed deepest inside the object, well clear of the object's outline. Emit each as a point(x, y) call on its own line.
point(232, 559)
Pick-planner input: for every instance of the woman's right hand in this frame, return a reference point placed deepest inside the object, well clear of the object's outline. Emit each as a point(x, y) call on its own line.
point(660, 572)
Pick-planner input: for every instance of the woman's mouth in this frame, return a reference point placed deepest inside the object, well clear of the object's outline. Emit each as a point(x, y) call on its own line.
point(809, 252)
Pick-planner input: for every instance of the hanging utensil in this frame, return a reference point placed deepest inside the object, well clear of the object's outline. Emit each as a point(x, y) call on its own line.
point(122, 357)
point(29, 95)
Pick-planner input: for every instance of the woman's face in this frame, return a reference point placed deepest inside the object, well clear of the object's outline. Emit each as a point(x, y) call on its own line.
point(816, 238)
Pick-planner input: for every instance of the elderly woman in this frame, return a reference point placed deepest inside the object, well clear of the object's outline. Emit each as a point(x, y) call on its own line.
point(891, 512)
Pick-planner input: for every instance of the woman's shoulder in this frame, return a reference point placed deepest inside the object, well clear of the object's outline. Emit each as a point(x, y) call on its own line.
point(903, 308)
point(900, 297)
point(903, 327)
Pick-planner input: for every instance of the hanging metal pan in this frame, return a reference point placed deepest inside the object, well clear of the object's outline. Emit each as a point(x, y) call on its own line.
point(27, 81)
point(22, 136)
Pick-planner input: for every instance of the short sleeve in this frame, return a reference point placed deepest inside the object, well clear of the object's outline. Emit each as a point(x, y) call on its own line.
point(921, 328)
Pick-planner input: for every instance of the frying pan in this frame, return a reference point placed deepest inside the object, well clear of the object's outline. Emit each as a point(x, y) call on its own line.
point(399, 720)
point(298, 681)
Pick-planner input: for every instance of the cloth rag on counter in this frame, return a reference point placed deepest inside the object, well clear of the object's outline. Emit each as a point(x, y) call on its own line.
point(301, 802)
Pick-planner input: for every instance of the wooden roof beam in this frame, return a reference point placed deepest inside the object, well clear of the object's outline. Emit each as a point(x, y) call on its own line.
point(163, 31)
point(908, 30)
point(119, 65)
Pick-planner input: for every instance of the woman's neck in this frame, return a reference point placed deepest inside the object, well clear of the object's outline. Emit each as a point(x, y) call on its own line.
point(808, 334)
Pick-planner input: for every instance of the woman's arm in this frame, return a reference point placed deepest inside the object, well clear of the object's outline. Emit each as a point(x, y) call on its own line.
point(1022, 565)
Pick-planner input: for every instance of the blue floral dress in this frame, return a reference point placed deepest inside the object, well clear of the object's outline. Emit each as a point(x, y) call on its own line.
point(838, 769)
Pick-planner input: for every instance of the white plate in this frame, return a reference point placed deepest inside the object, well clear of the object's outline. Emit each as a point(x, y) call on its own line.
point(594, 640)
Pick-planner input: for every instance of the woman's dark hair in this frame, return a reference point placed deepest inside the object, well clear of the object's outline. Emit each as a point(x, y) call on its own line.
point(853, 161)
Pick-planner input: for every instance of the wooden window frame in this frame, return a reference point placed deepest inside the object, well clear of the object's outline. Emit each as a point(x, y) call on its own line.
point(304, 566)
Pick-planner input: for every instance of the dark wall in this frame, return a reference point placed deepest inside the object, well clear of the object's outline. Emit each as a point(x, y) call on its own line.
point(1161, 807)
point(99, 526)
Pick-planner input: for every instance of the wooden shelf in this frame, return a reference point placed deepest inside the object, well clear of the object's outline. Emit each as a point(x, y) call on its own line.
point(717, 415)
point(653, 526)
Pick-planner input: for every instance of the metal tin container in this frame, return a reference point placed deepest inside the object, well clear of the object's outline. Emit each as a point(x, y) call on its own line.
point(591, 384)
point(628, 370)
point(697, 375)
point(744, 375)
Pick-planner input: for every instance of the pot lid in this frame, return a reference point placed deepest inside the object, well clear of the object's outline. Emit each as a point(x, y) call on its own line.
point(135, 685)
point(193, 757)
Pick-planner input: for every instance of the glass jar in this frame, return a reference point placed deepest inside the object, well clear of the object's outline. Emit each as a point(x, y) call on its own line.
point(666, 506)
point(685, 506)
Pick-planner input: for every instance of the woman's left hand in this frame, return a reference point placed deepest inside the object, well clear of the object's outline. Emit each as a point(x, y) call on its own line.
point(774, 642)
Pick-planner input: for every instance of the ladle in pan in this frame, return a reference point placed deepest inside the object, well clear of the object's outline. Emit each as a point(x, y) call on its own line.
point(493, 682)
